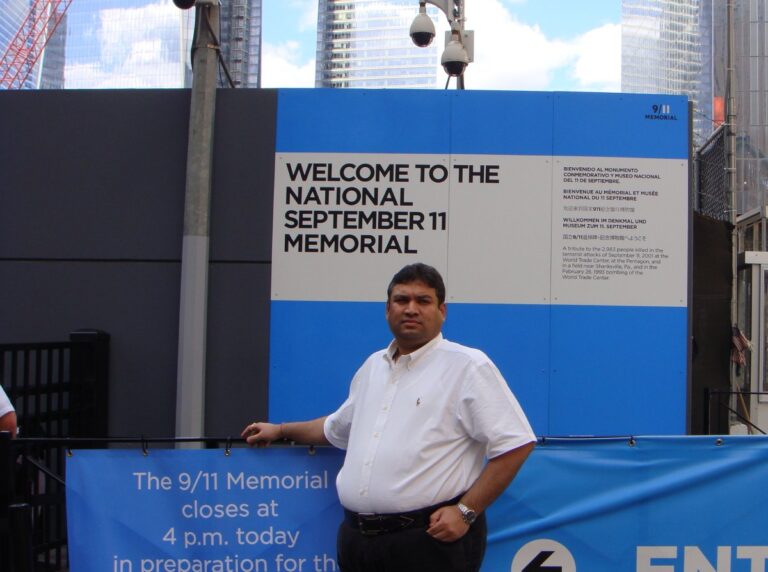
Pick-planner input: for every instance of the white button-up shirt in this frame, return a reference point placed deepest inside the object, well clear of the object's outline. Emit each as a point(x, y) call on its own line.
point(5, 404)
point(417, 430)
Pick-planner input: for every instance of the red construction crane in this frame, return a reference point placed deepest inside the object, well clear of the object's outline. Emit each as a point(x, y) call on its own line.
point(19, 59)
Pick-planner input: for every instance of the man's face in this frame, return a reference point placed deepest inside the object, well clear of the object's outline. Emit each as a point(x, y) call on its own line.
point(414, 315)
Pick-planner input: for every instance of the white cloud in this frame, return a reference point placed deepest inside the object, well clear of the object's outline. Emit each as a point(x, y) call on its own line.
point(512, 55)
point(598, 60)
point(308, 19)
point(93, 76)
point(306, 13)
point(280, 66)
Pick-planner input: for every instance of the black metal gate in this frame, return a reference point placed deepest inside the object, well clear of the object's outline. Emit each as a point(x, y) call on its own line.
point(59, 389)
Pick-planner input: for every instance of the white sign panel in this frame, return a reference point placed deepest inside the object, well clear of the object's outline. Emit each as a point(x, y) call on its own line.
point(616, 232)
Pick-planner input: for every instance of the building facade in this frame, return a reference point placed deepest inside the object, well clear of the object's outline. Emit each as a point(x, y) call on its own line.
point(666, 47)
point(13, 18)
point(749, 86)
point(366, 44)
point(12, 14)
point(137, 44)
point(51, 67)
point(241, 41)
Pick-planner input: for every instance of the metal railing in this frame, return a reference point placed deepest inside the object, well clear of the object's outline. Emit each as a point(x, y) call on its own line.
point(59, 390)
point(33, 527)
point(722, 408)
point(32, 513)
point(710, 196)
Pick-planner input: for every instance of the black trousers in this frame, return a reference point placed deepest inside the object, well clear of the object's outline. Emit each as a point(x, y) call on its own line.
point(410, 550)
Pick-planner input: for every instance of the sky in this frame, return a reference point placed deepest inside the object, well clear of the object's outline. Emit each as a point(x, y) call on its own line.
point(548, 45)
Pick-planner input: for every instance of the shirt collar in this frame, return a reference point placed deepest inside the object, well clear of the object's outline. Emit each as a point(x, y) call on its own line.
point(411, 358)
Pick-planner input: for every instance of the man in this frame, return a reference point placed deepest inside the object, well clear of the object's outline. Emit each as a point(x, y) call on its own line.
point(7, 414)
point(420, 420)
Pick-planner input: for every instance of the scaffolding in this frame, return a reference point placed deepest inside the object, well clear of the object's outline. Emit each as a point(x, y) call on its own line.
point(24, 50)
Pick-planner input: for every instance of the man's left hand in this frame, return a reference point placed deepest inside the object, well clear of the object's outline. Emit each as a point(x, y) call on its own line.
point(446, 524)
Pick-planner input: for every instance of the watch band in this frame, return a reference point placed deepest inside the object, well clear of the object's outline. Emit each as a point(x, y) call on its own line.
point(467, 514)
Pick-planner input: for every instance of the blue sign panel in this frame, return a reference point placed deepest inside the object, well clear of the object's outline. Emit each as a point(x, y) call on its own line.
point(648, 504)
point(181, 511)
point(643, 504)
point(558, 220)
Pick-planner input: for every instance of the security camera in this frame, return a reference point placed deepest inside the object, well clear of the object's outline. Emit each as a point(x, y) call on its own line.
point(455, 58)
point(184, 4)
point(422, 30)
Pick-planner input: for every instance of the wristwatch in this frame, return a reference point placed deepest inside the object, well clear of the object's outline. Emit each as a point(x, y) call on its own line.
point(467, 514)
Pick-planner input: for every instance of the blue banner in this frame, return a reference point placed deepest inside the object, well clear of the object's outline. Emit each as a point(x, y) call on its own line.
point(646, 504)
point(203, 510)
point(650, 504)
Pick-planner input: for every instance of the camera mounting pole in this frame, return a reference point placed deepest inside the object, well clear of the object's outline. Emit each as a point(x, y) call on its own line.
point(193, 304)
point(459, 43)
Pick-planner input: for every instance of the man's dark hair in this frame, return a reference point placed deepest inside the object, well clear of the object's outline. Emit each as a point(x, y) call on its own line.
point(419, 272)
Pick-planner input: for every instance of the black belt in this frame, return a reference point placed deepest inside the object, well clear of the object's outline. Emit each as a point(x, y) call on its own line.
point(371, 524)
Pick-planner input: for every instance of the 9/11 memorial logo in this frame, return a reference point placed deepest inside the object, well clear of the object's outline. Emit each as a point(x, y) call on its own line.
point(661, 112)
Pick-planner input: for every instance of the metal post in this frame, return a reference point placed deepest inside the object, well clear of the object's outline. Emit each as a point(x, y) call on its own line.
point(190, 384)
point(730, 115)
point(7, 495)
point(20, 523)
point(461, 17)
point(730, 144)
point(89, 383)
point(707, 404)
point(7, 473)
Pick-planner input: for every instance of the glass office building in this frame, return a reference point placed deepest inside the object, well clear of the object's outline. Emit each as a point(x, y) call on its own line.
point(127, 44)
point(666, 47)
point(365, 44)
point(750, 97)
point(51, 67)
point(12, 15)
point(749, 84)
point(139, 44)
point(241, 41)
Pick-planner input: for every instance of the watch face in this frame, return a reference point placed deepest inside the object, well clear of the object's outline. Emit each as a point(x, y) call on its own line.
point(467, 514)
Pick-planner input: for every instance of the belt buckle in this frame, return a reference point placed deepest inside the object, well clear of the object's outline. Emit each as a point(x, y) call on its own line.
point(364, 519)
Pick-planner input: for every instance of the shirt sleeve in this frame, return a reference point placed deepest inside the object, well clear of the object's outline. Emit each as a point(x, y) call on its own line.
point(5, 404)
point(490, 413)
point(339, 423)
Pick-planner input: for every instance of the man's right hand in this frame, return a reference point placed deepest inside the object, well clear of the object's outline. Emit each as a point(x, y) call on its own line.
point(261, 434)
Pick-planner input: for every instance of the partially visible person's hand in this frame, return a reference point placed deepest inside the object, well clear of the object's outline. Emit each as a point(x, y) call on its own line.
point(261, 434)
point(446, 524)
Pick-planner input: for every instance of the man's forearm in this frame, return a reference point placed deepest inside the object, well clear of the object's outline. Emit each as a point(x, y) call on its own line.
point(447, 523)
point(8, 423)
point(305, 432)
point(261, 434)
point(495, 478)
